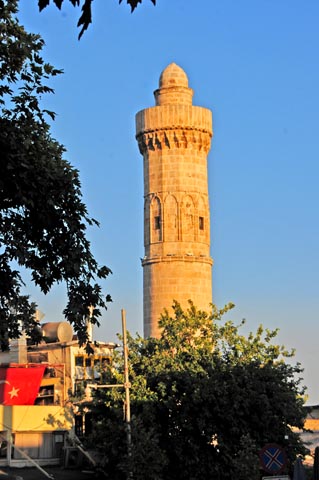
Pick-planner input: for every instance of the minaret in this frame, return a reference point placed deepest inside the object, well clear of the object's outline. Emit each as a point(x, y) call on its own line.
point(174, 138)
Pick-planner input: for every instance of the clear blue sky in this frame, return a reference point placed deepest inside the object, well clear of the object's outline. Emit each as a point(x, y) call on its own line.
point(255, 64)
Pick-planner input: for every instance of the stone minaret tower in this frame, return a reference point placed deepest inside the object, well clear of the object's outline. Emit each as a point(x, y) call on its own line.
point(174, 138)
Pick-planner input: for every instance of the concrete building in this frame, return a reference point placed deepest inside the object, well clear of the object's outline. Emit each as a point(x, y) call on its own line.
point(174, 138)
point(41, 429)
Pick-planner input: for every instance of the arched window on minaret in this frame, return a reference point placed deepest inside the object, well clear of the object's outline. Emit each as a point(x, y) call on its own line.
point(156, 219)
point(170, 219)
point(202, 221)
point(188, 211)
point(147, 233)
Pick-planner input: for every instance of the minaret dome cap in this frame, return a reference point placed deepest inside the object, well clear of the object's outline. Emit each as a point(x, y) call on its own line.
point(173, 87)
point(173, 76)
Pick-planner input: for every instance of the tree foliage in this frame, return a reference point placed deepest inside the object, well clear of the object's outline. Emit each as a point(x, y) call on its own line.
point(86, 15)
point(43, 220)
point(204, 400)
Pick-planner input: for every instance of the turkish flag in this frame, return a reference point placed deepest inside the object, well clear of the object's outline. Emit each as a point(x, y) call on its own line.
point(20, 385)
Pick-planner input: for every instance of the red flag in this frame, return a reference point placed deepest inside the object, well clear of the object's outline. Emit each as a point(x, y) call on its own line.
point(20, 385)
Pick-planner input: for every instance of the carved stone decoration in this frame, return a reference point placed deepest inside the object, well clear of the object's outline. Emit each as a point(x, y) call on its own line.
point(203, 220)
point(170, 219)
point(147, 224)
point(188, 214)
point(174, 138)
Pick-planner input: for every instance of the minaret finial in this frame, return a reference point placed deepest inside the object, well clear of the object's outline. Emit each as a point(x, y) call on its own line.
point(173, 87)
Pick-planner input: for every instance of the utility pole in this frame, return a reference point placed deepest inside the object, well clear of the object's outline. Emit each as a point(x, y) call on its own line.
point(127, 404)
point(126, 385)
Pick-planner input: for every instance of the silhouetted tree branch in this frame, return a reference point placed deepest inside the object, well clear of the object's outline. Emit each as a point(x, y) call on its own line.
point(86, 15)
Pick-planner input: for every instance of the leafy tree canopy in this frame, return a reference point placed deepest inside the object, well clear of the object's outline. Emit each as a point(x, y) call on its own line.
point(86, 16)
point(204, 400)
point(43, 220)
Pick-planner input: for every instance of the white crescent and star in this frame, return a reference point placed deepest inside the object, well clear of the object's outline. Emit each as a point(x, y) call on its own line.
point(14, 391)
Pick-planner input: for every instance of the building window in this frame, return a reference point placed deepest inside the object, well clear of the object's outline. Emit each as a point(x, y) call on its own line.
point(79, 361)
point(78, 426)
point(45, 395)
point(3, 445)
point(90, 367)
point(79, 388)
point(38, 445)
point(157, 222)
point(37, 357)
point(201, 223)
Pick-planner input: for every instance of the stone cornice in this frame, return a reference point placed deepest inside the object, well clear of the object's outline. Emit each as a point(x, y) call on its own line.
point(177, 258)
point(174, 137)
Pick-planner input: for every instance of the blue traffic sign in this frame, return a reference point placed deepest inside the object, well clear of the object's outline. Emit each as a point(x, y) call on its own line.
point(273, 458)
